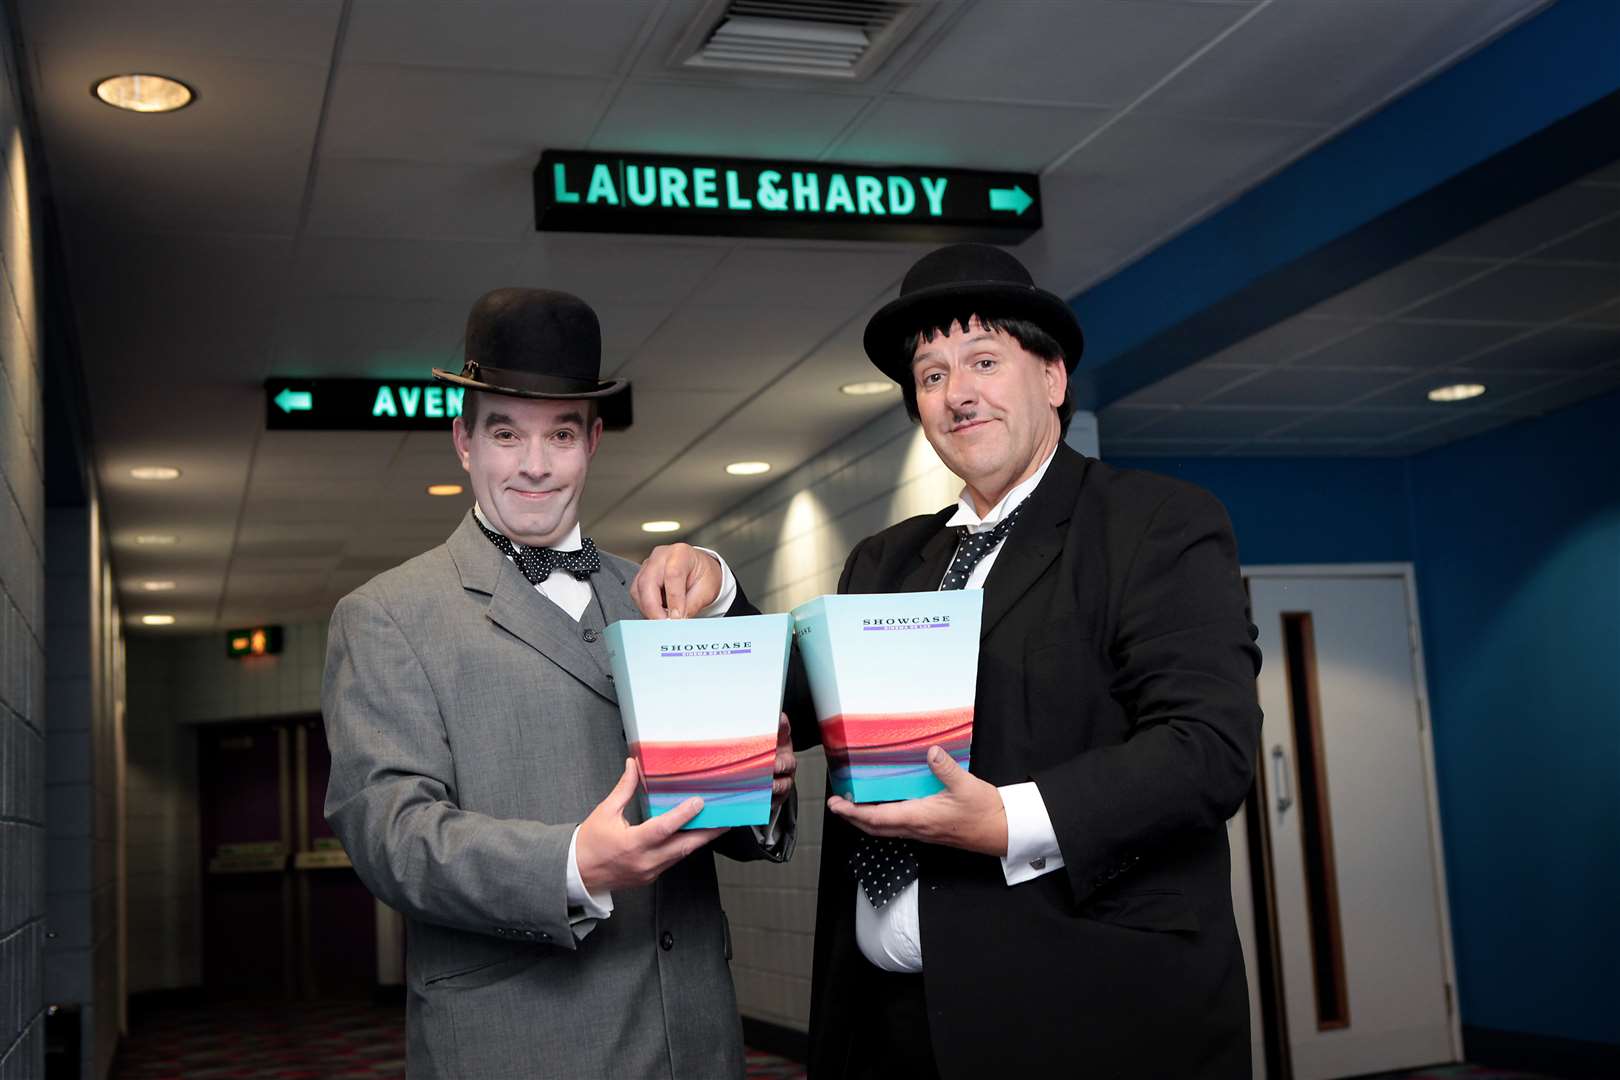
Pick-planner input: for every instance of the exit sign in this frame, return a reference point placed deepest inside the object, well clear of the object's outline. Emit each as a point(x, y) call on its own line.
point(253, 641)
point(583, 191)
point(360, 404)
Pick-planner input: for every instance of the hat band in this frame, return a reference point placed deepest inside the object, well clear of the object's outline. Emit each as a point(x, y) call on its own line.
point(534, 382)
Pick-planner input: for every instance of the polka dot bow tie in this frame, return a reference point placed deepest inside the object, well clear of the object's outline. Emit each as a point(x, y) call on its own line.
point(537, 563)
point(883, 865)
point(973, 549)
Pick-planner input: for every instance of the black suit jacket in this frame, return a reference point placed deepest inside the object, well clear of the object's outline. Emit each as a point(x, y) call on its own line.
point(1117, 671)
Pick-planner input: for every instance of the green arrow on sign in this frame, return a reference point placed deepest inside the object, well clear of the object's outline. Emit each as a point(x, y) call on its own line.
point(1014, 198)
point(295, 401)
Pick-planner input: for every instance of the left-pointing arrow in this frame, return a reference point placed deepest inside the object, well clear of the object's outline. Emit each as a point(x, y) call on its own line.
point(295, 400)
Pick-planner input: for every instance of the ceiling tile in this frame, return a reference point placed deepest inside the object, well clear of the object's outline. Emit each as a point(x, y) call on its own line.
point(1285, 342)
point(1073, 51)
point(300, 31)
point(618, 269)
point(1560, 348)
point(1336, 59)
point(569, 37)
point(1562, 393)
point(1535, 224)
point(1525, 293)
point(1357, 424)
point(678, 118)
point(727, 348)
point(397, 269)
point(1601, 244)
point(1121, 421)
point(1501, 389)
point(1230, 154)
point(786, 276)
point(1298, 388)
point(1220, 423)
point(1190, 385)
point(400, 199)
point(1407, 346)
point(967, 135)
point(438, 115)
point(1394, 290)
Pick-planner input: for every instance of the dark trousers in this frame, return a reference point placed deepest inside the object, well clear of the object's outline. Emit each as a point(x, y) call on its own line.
point(892, 1042)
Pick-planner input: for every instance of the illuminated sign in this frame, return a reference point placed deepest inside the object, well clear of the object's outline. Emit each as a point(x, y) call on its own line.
point(360, 404)
point(255, 641)
point(583, 191)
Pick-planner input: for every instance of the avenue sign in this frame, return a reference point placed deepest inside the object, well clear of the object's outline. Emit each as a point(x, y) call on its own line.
point(586, 191)
point(360, 405)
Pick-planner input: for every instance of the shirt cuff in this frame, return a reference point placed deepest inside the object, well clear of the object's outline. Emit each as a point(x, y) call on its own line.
point(728, 589)
point(1032, 847)
point(584, 909)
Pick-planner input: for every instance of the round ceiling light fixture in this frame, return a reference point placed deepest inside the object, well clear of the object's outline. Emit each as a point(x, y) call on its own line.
point(155, 540)
point(867, 389)
point(155, 472)
point(158, 620)
point(444, 489)
point(1456, 392)
point(660, 526)
point(157, 586)
point(748, 468)
point(144, 93)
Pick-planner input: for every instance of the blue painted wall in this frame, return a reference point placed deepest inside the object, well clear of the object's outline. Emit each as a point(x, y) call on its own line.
point(1304, 510)
point(1515, 538)
point(1518, 564)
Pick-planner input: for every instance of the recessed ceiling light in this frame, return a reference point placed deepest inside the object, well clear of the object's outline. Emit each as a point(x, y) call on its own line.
point(1458, 392)
point(866, 389)
point(157, 586)
point(748, 468)
point(144, 93)
point(155, 472)
point(660, 526)
point(158, 620)
point(154, 540)
point(444, 489)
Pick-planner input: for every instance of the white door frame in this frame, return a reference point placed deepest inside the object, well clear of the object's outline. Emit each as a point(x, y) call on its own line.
point(1403, 571)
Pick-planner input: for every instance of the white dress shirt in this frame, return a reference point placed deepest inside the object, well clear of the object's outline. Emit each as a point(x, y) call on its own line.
point(574, 596)
point(892, 938)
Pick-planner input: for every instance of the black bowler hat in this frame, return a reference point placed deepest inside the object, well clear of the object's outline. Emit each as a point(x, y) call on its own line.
point(539, 343)
point(952, 285)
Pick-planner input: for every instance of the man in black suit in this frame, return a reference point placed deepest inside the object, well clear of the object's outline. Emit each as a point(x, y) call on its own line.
point(1065, 908)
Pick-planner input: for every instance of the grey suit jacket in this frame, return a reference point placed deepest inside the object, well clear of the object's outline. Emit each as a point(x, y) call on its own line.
point(471, 730)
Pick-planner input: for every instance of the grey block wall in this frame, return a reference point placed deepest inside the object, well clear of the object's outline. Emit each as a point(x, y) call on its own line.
point(22, 625)
point(84, 681)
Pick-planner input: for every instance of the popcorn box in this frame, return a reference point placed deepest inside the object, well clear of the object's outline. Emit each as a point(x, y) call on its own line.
point(891, 674)
point(701, 700)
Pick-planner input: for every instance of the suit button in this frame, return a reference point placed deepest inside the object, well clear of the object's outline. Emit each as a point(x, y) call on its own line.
point(590, 636)
point(544, 936)
point(667, 941)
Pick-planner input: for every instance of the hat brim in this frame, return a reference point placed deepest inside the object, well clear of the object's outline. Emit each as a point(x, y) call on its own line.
point(939, 305)
point(614, 395)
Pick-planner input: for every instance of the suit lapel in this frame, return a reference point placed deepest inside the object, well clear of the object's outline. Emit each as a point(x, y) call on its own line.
point(517, 608)
point(1035, 540)
point(933, 558)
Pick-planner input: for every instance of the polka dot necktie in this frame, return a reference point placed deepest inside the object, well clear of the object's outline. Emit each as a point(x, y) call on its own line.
point(537, 563)
point(886, 865)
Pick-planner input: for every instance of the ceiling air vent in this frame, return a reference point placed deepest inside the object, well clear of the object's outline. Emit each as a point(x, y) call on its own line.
point(830, 39)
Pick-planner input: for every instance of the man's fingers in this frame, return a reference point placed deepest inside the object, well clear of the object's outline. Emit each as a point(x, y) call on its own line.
point(675, 570)
point(646, 589)
point(945, 767)
point(619, 798)
point(656, 830)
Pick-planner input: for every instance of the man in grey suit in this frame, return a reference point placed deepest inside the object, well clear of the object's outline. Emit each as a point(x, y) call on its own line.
point(480, 778)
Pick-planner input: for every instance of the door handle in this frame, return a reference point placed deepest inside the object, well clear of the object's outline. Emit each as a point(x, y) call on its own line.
point(1284, 781)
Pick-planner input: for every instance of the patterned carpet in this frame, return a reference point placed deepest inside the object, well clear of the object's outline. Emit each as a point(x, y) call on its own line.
point(275, 1041)
point(332, 1040)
